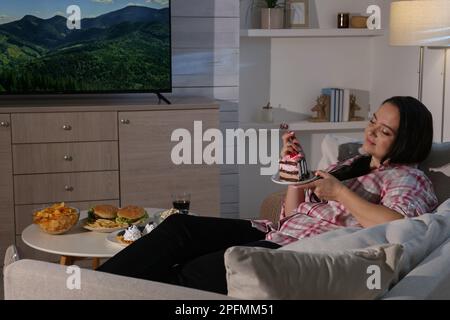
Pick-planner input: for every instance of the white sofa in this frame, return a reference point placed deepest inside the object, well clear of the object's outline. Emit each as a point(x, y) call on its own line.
point(429, 279)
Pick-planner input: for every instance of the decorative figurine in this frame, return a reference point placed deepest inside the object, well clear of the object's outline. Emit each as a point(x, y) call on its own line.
point(322, 108)
point(353, 108)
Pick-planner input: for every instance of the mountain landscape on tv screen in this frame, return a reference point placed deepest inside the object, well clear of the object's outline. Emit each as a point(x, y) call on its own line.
point(123, 50)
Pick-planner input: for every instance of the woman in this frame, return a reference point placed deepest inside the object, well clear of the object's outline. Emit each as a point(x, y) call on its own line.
point(381, 186)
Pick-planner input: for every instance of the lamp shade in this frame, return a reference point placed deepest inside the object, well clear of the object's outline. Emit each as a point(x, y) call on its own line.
point(420, 23)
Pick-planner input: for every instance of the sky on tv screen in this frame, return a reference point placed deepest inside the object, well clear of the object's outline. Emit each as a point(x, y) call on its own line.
point(118, 46)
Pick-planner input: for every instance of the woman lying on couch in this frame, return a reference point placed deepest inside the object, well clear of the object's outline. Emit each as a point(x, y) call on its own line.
point(375, 188)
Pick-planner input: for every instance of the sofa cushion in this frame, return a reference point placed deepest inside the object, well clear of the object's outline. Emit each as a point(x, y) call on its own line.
point(261, 273)
point(336, 147)
point(419, 237)
point(437, 168)
point(32, 279)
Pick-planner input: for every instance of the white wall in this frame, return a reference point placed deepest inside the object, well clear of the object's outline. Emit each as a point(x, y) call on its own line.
point(296, 69)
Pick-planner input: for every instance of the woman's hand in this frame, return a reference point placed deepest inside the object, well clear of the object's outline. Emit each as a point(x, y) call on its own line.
point(328, 188)
point(290, 144)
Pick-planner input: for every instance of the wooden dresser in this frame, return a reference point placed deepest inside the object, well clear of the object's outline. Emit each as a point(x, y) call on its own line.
point(90, 152)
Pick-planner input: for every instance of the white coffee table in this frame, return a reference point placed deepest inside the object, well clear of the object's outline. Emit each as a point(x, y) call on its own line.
point(75, 244)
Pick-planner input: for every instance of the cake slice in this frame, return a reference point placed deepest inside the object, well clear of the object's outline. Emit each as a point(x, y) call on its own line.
point(293, 167)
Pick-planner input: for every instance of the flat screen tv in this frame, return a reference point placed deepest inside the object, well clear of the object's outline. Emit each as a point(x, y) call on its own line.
point(96, 46)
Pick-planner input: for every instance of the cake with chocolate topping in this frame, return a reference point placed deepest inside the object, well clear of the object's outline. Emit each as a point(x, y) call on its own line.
point(293, 167)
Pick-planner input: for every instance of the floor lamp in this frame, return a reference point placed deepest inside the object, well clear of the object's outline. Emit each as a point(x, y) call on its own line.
point(422, 23)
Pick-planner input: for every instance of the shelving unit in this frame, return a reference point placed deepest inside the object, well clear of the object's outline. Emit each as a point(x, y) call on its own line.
point(310, 33)
point(307, 126)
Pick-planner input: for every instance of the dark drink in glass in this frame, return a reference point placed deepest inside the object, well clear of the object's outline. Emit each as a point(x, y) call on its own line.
point(181, 202)
point(182, 205)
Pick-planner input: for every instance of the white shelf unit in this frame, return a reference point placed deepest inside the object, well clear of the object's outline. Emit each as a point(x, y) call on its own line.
point(307, 126)
point(310, 33)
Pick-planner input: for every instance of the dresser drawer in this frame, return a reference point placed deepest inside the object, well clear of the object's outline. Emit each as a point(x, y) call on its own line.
point(65, 157)
point(24, 213)
point(62, 127)
point(57, 187)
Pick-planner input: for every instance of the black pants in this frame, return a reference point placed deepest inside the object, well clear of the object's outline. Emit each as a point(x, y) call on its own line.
point(186, 250)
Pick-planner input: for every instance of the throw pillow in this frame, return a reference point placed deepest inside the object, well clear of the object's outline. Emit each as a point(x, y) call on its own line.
point(261, 273)
point(332, 150)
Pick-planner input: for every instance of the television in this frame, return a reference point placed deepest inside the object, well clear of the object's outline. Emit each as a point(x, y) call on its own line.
point(85, 46)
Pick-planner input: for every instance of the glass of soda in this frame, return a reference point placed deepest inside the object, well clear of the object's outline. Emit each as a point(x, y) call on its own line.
point(181, 201)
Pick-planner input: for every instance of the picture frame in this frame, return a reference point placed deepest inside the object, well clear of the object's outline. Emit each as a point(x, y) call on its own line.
point(297, 12)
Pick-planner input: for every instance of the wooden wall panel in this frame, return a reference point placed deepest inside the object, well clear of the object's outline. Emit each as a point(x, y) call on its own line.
point(205, 42)
point(205, 67)
point(205, 8)
point(192, 32)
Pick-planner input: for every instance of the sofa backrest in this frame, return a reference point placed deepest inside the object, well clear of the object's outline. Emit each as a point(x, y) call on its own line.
point(437, 168)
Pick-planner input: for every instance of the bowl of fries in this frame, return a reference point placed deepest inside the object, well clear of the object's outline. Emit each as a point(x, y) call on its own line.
point(56, 219)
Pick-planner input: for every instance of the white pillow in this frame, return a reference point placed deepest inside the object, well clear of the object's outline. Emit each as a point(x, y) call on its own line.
point(419, 236)
point(261, 273)
point(330, 149)
point(444, 208)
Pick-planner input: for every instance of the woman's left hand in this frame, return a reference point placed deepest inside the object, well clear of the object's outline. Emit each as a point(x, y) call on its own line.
point(328, 188)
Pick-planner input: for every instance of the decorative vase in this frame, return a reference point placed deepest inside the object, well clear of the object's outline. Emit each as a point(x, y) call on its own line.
point(272, 18)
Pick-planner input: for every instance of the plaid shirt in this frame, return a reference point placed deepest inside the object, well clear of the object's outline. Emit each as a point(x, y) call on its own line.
point(402, 188)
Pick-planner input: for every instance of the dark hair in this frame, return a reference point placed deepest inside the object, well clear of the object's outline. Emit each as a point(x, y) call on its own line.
point(412, 144)
point(415, 132)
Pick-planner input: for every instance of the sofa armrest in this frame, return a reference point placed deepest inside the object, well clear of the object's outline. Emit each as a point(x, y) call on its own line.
point(429, 280)
point(32, 279)
point(271, 206)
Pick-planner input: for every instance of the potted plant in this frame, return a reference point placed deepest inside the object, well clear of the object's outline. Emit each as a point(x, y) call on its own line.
point(272, 16)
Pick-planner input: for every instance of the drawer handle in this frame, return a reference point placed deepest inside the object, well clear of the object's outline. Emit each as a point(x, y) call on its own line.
point(68, 158)
point(68, 188)
point(125, 121)
point(67, 127)
point(4, 124)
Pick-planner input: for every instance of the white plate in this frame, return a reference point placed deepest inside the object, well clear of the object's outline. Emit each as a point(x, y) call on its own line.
point(112, 238)
point(107, 230)
point(276, 179)
point(103, 230)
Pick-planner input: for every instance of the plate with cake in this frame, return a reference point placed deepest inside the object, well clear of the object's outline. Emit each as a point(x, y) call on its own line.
point(293, 170)
point(130, 234)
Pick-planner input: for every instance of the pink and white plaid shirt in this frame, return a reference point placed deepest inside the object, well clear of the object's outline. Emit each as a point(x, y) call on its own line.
point(402, 188)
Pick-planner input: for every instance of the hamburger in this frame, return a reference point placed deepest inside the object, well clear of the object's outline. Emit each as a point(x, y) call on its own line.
point(103, 211)
point(131, 215)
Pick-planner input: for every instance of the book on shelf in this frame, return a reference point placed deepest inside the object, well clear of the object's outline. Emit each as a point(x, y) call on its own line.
point(347, 104)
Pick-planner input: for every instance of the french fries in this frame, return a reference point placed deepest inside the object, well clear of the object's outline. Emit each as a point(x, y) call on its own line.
point(105, 223)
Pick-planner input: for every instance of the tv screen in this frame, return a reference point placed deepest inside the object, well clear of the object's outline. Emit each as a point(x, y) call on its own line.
point(85, 46)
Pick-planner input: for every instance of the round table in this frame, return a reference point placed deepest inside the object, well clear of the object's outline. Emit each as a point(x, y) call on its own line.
point(75, 244)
